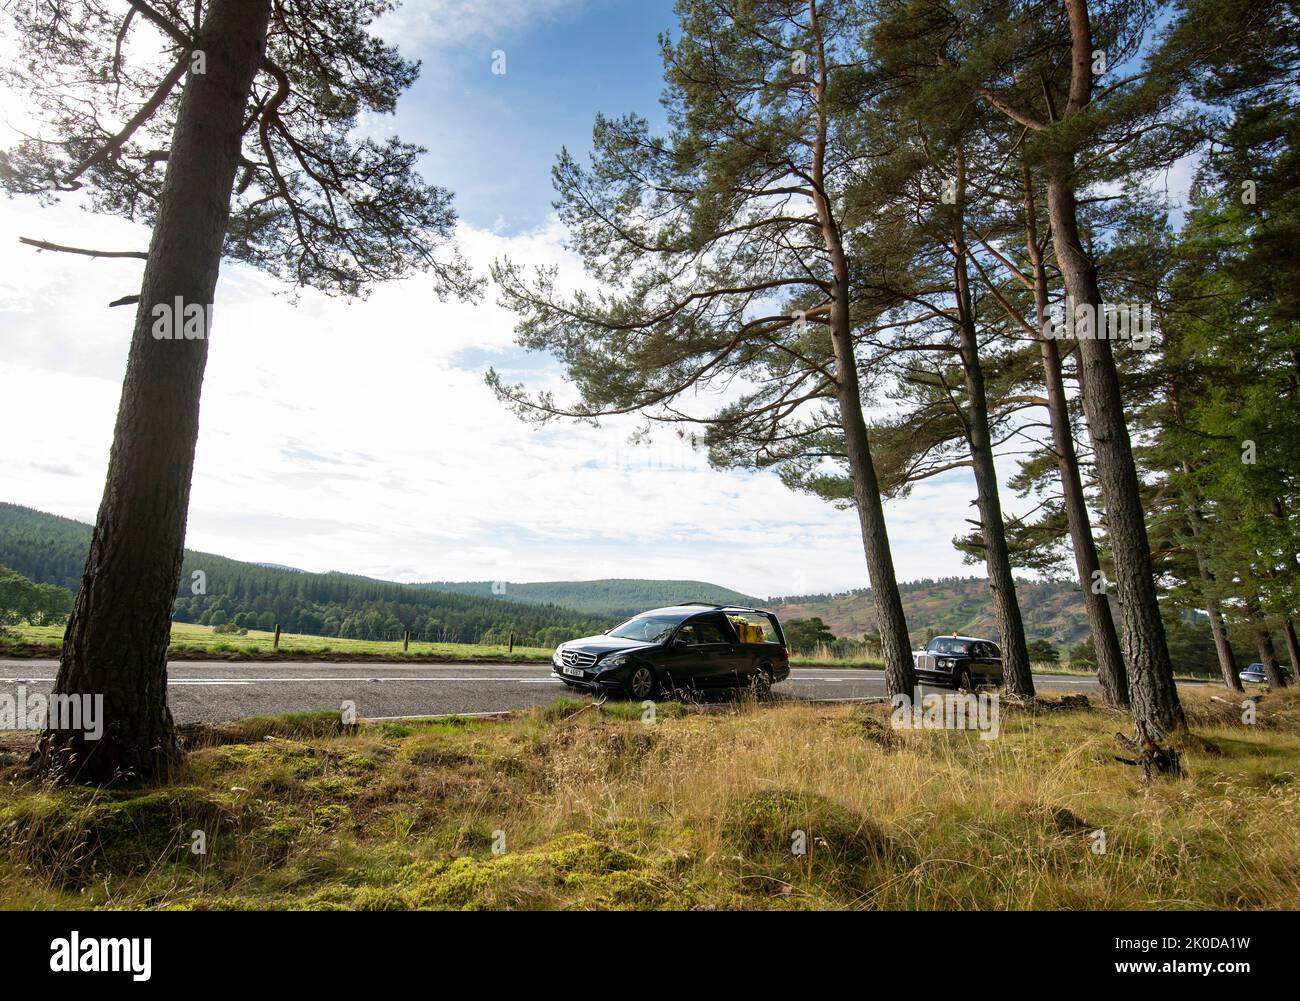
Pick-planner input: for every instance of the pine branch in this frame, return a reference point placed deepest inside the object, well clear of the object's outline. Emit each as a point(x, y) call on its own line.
point(45, 245)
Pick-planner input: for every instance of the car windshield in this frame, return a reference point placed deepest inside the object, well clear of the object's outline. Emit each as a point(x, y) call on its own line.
point(948, 646)
point(646, 628)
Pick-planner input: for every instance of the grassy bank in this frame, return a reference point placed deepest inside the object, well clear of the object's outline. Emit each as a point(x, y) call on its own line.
point(594, 808)
point(201, 643)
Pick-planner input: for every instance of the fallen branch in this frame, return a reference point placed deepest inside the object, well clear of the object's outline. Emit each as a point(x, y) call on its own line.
point(1156, 761)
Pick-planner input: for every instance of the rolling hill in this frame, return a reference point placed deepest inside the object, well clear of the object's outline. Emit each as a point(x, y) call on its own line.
point(50, 549)
point(615, 596)
point(1052, 611)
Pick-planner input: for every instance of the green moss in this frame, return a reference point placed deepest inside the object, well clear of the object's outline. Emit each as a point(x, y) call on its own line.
point(785, 839)
point(573, 863)
point(292, 726)
point(335, 786)
point(560, 709)
point(75, 841)
point(436, 750)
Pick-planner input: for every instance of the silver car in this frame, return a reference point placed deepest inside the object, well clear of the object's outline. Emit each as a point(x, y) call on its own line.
point(1255, 673)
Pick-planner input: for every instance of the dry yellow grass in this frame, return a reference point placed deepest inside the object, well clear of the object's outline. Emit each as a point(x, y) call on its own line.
point(594, 808)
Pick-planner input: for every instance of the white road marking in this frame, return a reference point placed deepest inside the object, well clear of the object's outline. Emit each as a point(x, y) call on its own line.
point(205, 681)
point(260, 681)
point(388, 719)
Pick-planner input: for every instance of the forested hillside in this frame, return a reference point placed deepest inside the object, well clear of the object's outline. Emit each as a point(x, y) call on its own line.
point(44, 547)
point(52, 550)
point(1052, 611)
point(617, 597)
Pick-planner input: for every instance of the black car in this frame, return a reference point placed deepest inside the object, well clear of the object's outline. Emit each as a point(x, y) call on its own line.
point(959, 662)
point(692, 645)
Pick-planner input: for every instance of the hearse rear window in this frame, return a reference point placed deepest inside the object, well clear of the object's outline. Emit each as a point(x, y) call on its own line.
point(753, 627)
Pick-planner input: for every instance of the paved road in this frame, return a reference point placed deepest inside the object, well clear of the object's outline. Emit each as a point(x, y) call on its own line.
point(205, 691)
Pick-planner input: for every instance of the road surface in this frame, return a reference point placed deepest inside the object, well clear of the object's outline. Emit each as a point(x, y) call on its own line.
point(207, 691)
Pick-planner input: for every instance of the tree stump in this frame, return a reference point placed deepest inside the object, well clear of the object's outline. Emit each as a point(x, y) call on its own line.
point(1156, 761)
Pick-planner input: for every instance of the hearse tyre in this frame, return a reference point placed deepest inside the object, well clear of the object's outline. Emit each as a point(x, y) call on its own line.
point(642, 683)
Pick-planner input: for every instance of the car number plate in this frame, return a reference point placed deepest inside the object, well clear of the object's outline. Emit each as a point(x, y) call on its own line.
point(575, 672)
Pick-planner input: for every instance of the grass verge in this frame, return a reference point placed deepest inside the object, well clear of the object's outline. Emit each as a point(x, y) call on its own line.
point(192, 642)
point(584, 805)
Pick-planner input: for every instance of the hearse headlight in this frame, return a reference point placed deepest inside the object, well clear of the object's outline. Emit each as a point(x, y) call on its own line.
point(945, 663)
point(616, 661)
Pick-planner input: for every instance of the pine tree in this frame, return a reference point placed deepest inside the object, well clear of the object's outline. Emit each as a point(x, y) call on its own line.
point(721, 250)
point(250, 103)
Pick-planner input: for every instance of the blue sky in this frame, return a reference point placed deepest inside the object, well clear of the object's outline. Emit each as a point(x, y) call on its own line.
point(492, 138)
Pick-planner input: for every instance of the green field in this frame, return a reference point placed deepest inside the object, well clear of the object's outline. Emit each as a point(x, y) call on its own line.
point(201, 642)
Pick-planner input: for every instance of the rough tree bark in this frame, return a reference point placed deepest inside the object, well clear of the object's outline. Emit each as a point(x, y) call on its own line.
point(117, 637)
point(896, 647)
point(1018, 679)
point(1152, 693)
point(1222, 648)
point(1292, 648)
point(1267, 652)
point(1111, 673)
point(1196, 521)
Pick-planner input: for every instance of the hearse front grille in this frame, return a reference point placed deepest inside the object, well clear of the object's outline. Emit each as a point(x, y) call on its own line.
point(577, 658)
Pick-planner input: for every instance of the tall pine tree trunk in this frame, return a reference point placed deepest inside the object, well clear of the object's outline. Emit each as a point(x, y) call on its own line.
point(117, 638)
point(1222, 648)
point(1292, 648)
point(895, 644)
point(1152, 692)
point(1196, 521)
point(1111, 673)
point(1018, 678)
point(1264, 643)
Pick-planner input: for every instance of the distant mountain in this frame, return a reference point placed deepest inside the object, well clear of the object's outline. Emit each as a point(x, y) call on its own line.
point(616, 596)
point(1052, 610)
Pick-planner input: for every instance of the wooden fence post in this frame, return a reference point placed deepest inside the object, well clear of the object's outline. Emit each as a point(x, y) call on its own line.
point(406, 641)
point(276, 644)
point(512, 642)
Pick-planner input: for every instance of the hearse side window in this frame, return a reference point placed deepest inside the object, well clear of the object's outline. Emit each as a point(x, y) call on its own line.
point(700, 631)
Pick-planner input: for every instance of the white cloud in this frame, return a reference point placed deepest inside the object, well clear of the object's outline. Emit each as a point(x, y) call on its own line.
point(342, 436)
point(417, 24)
